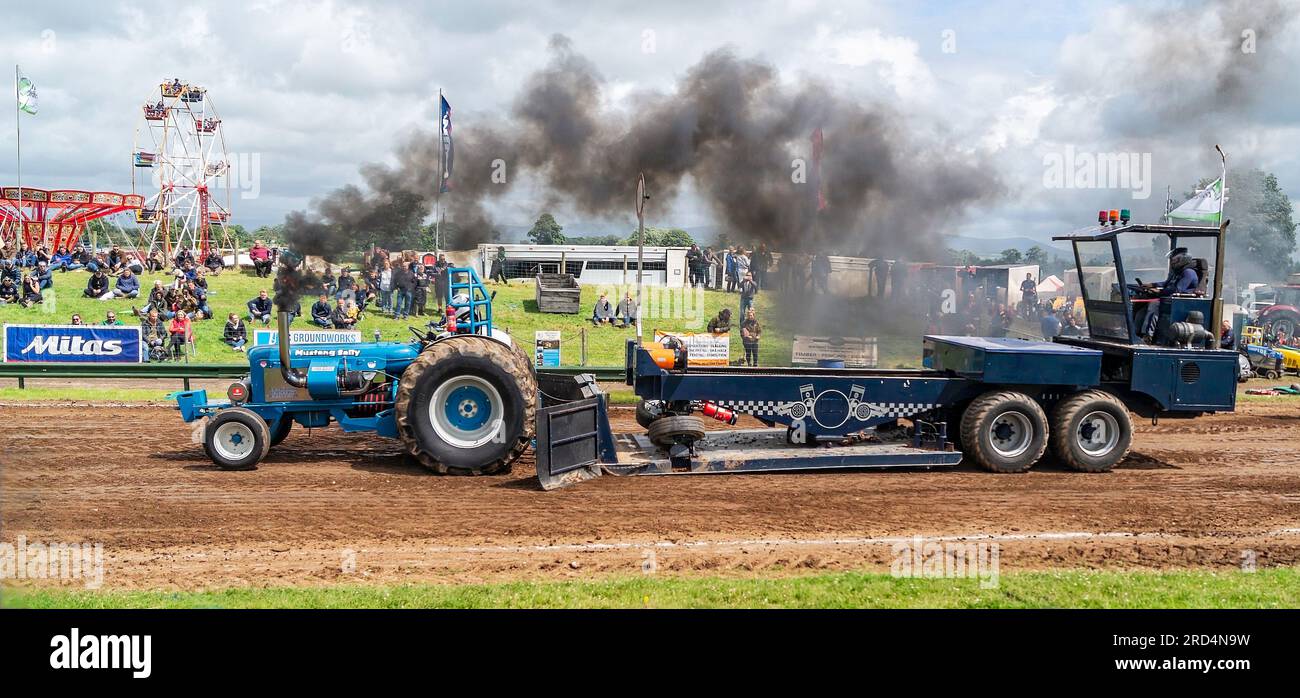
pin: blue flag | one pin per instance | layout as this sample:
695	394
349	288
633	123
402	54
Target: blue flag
448	150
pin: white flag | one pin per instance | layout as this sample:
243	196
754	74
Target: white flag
1207	205
26	94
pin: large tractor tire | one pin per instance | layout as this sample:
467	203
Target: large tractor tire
1004	431
466	406
1285	322
1091	431
236	438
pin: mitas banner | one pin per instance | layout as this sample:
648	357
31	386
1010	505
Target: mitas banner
83	344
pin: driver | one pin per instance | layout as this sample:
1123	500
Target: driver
1182	279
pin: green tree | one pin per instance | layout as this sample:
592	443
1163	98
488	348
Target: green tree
546	231
663	237
1262	237
1036	255
1011	256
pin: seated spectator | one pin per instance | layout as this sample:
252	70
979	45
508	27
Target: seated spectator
10	270
340	317
181	333
44	275
214	262
261	257
603	313
320	312
201	278
236	334
127	286
627	310
80	258
31	291
200	295
295	311
154	332
722	323
259	309
116	259
8	291
76	319
110	319
97	286
346	284
157	302
154	263
61	260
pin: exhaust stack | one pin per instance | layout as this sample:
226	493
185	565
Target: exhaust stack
292	376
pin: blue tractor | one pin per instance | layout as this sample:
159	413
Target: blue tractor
459	396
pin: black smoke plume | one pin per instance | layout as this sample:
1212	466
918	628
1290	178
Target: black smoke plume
730	128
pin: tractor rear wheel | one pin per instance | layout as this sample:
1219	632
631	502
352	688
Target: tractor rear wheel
466	406
236	438
666	432
1004	431
1091	431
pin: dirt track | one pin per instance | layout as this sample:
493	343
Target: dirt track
327	507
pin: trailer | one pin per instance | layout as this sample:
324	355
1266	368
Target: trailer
1000	403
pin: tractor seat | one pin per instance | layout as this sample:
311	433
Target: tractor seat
1202	267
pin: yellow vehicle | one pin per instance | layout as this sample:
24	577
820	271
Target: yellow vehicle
1254	336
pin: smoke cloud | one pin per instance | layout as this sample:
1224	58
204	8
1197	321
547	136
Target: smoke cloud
730	127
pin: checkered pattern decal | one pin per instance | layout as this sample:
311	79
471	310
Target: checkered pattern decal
776	407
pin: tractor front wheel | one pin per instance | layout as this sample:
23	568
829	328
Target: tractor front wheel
236	439
1004	431
465	406
666	432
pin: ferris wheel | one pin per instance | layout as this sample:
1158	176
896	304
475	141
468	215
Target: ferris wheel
180	156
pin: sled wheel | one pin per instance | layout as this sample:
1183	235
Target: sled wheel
647	411
669	431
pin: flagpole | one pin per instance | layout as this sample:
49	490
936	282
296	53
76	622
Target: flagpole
437	213
18	125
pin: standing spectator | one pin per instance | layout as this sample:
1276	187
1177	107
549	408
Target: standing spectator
97	286
499	266
404	286
603	313
440	283
750	332
627	310
340	317
127	286
1028	295
385	274
748	289
821	273
731	270
110	319
695	265
421	297
235	334
709	261
1226	339
759	265
259	309
320	312
180	332
1049	323
742	265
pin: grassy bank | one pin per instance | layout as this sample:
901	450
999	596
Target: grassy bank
1275	588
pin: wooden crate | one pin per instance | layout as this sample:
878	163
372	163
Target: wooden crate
558	293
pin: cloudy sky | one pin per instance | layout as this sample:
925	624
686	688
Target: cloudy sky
309	91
